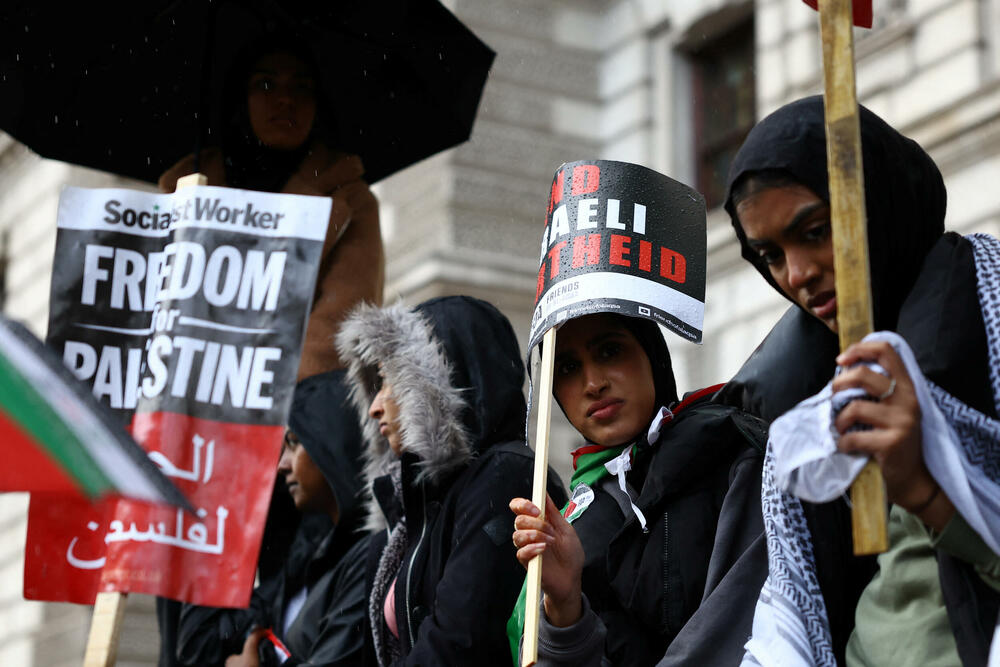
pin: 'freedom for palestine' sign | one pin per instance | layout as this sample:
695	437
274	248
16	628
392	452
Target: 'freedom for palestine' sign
621	238
184	314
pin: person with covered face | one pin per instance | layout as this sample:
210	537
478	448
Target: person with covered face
439	386
315	604
660	553
932	426
280	135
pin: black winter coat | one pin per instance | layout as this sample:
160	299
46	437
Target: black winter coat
684	592
943	324
460	576
456	374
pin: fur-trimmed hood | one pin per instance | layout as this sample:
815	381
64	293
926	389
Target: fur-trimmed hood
456	374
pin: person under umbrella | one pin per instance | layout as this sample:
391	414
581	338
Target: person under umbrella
935	597
129	91
281	137
665	553
440	388
277	139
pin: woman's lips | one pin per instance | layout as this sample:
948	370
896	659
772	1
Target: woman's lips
824	305
605	409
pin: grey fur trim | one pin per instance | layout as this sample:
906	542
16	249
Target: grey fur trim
414	364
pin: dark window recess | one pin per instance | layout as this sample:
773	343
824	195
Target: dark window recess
725	106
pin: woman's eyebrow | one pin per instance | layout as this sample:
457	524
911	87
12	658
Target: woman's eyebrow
801	217
757	244
601	337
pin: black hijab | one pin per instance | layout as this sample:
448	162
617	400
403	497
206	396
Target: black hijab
904	193
651	339
324	422
249	163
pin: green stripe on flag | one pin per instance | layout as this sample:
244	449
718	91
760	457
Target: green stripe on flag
27	408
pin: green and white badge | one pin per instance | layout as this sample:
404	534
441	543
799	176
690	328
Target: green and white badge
583	495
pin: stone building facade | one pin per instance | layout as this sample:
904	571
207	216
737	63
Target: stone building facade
671	84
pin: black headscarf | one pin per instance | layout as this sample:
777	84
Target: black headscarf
481	347
904	193
324	422
651	339
249	163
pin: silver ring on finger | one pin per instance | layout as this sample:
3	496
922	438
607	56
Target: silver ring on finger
888	392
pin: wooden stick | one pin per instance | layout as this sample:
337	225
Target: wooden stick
850	240
109	608
529	648
105	630
192	179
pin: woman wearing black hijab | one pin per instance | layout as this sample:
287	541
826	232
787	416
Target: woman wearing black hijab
923	287
660	554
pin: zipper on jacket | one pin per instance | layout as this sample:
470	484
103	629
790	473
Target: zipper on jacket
413	556
666	571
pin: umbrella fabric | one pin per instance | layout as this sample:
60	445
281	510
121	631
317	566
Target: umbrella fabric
58	438
129	89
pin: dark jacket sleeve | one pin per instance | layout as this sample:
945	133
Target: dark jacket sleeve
578	645
335	612
716	632
208	635
482	577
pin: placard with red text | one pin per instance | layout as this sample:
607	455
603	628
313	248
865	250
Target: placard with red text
625	239
185	314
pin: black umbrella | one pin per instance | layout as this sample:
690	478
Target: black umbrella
140	85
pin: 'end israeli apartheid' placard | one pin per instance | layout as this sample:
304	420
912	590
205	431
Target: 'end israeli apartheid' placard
185	315
621	238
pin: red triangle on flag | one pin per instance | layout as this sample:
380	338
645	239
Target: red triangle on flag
862	12
27	466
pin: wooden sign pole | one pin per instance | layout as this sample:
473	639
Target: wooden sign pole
105	630
850	240
192	179
109	608
529	647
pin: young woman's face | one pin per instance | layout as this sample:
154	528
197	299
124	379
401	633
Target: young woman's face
789	228
603	380
385	410
305	481
281	101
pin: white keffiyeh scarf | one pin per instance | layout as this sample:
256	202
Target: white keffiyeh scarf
961	449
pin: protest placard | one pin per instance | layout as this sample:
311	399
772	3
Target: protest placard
185	315
625	239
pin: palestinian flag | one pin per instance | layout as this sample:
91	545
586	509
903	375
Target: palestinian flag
57	437
862	11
